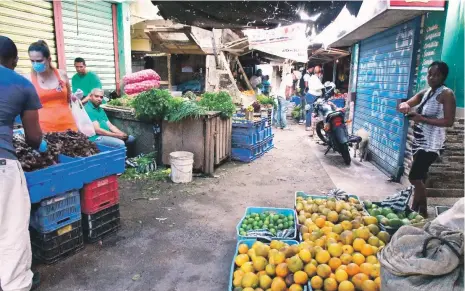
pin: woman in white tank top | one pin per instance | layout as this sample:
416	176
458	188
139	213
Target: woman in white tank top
435	112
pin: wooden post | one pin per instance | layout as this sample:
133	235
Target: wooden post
243	74
168	60
60	39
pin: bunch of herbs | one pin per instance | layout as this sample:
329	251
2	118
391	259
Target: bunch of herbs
152	105
220	101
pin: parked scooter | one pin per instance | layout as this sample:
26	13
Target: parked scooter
331	128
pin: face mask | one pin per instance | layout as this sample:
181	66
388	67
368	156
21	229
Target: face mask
38	67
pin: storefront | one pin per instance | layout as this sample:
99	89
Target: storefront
26	22
90	33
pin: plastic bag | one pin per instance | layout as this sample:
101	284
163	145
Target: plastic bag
137	77
83	122
136	88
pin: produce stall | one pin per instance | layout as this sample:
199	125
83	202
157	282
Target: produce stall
72	178
336	247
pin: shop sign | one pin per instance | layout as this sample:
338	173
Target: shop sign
276	35
431	45
418	4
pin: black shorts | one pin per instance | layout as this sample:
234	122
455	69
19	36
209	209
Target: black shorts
422	160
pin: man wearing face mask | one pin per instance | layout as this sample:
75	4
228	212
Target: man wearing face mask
18	97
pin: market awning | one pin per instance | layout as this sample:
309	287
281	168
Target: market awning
175	38
322	56
378	15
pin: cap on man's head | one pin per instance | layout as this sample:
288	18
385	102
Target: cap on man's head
8	50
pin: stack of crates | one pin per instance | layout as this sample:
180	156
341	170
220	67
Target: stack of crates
250	139
55	228
100	208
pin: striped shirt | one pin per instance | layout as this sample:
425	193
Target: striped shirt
429	137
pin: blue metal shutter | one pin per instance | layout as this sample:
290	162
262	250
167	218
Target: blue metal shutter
384	79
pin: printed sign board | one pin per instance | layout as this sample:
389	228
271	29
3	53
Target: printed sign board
418	4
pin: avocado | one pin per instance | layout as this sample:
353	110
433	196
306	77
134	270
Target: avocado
386	211
376	212
367	204
401	215
405	221
395	223
412	215
392	216
379	217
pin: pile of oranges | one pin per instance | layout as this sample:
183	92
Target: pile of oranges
343	243
274	267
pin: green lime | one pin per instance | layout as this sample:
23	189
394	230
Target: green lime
260	223
280	221
243	233
266	223
272	230
275	217
286	225
290	217
250	220
280	226
262	216
248	228
281	216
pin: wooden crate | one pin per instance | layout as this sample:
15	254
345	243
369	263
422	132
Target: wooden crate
208	138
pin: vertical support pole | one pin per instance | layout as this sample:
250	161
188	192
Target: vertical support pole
124	38
249	86
115	46
59	34
168	61
334	71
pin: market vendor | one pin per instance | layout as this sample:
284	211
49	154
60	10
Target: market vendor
106	133
18	97
84	79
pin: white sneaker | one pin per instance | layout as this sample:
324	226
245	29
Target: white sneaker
308	128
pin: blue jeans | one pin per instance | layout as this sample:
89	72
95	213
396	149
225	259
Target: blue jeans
280	113
309	99
113	142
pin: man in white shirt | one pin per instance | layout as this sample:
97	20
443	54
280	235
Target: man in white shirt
256	80
303	91
284	94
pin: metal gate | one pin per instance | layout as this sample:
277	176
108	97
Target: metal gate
384	79
26	22
88	33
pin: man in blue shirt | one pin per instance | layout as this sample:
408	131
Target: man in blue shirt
17	97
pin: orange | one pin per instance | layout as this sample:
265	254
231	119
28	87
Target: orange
334	263
330	284
300	277
335	250
241	259
238	273
310	269
322	257
278	284
247	267
347	249
243	249
367	250
323	271
346	286
306	236
352	269
342	267
341	275
282	270
305	255
333	216
346	259
358	258
366	268
369	285
316	282
376	272
378	282
320	222
270	269
358	244
371	260
295	287
358	280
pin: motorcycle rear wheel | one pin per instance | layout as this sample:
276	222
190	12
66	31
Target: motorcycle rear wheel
346	154
320	131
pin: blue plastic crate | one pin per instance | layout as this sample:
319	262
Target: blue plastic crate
110	161
63	177
246	154
56	212
259	210
244	123
249	243
268	132
241	140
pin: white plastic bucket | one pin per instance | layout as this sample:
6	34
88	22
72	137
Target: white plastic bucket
181	166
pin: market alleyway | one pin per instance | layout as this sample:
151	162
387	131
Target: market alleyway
183	237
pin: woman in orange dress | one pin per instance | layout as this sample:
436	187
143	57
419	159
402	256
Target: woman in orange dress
52	86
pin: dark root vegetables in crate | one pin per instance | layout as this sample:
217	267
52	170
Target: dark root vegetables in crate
69	143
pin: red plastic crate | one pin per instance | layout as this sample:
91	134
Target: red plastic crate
99	195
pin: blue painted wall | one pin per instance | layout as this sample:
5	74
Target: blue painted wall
385	78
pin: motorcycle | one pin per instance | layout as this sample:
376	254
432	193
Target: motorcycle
331	128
